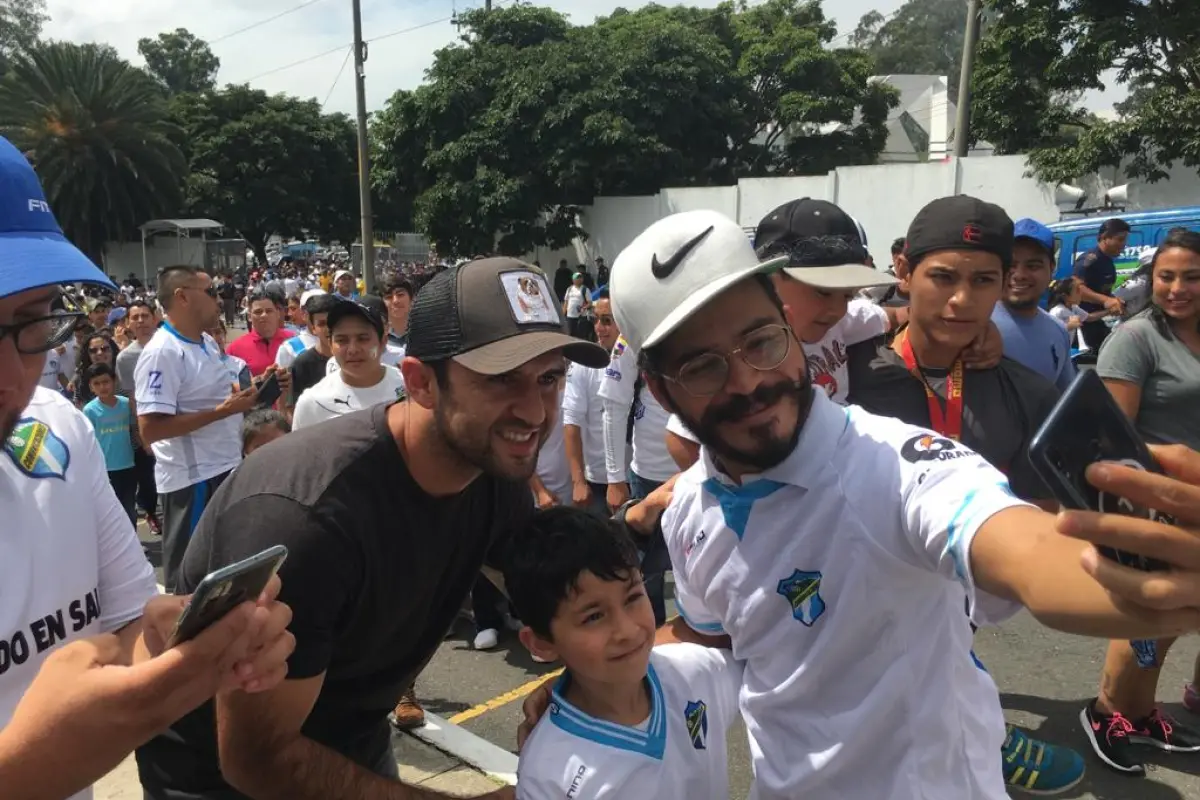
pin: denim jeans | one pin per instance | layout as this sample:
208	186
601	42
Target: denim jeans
655	560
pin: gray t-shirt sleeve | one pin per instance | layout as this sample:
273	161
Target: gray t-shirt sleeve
1128	355
126	363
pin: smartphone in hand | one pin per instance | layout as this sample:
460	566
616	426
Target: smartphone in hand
1087	426
225	589
269	390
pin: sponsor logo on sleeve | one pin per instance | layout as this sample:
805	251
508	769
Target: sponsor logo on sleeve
928	447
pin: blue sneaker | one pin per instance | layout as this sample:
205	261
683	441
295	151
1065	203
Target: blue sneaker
1035	767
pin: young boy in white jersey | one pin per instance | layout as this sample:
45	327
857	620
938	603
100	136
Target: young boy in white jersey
626	720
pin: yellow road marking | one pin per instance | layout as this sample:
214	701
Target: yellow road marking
503	699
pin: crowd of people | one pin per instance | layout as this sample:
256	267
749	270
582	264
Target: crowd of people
777	423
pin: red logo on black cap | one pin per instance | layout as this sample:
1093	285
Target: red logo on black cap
973	234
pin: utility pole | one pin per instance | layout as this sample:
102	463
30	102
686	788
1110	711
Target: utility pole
962	124
364	161
487	5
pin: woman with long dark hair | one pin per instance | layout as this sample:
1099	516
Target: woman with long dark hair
99	348
1151	366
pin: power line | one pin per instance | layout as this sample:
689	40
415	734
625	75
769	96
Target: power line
408	30
260	23
345	61
337	49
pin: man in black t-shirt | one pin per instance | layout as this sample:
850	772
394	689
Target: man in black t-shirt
953	285
1097	272
388	515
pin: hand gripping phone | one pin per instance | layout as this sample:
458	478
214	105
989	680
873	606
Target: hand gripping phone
1087	426
269	390
224	590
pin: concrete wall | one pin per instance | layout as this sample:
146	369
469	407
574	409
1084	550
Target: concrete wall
122	258
883	198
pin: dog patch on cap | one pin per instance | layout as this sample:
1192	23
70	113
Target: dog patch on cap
529	298
973	234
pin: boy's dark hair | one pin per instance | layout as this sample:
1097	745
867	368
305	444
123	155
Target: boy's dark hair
399	284
99	370
898	246
544	562
260	418
321	304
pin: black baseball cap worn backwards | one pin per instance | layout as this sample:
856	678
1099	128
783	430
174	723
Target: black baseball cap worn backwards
492	315
961	222
823	243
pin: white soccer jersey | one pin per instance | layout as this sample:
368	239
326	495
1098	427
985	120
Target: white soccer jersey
678	755
71	565
827	359
332	397
650	457
176	375
583	408
842	576
293	347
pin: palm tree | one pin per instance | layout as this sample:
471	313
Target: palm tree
97	131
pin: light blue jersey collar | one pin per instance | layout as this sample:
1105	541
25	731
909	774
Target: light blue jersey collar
651	742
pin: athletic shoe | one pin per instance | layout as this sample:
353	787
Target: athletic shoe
1159	730
408	713
1191	698
487	638
1109	735
1034	767
540	660
153	524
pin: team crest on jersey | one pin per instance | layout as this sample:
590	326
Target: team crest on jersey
696	714
803	591
619	349
37	451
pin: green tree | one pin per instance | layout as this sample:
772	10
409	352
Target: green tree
923	37
1046	52
20	25
97	130
265	164
527	117
180	61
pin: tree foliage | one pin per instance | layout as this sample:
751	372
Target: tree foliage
527	117
923	37
1040	55
180	61
266	164
20	25
97	130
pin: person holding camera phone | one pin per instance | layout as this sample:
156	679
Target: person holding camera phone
84	673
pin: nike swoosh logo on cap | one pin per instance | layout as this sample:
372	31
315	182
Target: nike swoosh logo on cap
663	269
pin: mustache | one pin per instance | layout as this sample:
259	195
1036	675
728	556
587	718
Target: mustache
742	405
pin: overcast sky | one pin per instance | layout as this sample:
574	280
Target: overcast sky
397	62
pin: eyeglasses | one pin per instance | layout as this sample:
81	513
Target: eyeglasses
209	290
44	333
763	349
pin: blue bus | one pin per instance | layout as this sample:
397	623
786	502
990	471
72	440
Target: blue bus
1073	237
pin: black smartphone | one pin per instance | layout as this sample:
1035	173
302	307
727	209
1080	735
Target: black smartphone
244	379
269	390
223	590
1087	426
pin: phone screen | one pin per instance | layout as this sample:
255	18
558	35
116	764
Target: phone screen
1087	426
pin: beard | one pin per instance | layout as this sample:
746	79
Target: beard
474	447
771	449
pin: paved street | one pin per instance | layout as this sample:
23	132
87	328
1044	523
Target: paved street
1045	679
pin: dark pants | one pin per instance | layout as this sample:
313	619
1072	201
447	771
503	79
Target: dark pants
147	491
1094	333
575	327
181	515
655	560
487	605
124	484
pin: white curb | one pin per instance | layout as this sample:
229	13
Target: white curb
493	761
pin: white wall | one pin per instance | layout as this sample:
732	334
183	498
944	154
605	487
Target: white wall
122	258
883	198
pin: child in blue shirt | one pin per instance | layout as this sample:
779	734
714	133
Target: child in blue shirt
112	418
627	719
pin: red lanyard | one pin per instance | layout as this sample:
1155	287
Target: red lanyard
949	422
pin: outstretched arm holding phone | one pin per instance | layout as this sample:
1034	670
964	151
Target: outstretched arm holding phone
87	701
